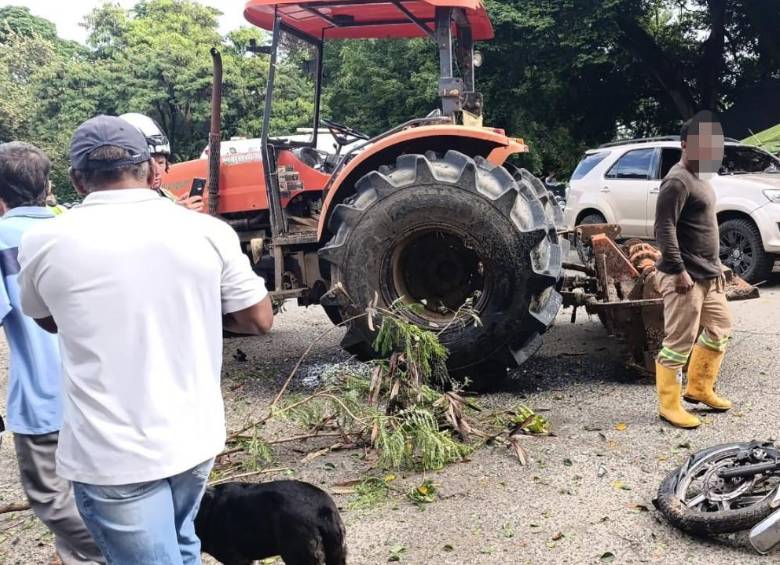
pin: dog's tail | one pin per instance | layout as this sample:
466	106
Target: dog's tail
334	537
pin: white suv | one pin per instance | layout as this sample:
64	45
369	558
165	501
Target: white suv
618	183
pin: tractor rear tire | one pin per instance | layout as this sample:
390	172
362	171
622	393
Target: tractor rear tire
437	230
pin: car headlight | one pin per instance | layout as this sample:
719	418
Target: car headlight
773	195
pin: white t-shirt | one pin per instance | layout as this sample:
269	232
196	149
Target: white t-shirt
137	286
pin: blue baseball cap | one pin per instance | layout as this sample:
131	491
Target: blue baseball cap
102	131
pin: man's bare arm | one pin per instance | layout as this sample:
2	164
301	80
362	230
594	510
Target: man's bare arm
47	324
255	320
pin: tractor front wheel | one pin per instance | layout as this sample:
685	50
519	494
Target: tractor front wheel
444	231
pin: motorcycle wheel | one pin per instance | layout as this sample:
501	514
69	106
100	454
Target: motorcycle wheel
694	499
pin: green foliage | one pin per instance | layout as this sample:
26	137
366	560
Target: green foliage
308	413
409	424
422	351
377	84
257	453
413	439
370	492
563	74
524	419
153	59
18	20
529	421
430	447
21	58
426	493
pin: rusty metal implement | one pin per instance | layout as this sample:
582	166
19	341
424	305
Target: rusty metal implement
617	284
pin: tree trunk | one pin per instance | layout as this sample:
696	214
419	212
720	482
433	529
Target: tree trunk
711	65
642	45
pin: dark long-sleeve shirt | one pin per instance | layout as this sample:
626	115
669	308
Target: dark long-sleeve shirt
686	226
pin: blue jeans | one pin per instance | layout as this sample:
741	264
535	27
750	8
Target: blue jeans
150	523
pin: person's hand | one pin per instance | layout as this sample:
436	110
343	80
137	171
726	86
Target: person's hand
194	203
683	283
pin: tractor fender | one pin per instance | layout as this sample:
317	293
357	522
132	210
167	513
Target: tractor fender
484	142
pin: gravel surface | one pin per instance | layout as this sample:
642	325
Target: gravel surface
565	506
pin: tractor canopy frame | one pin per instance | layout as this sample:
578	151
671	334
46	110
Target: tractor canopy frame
454	24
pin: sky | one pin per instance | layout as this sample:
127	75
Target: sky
67	14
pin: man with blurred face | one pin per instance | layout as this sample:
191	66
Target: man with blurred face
690	276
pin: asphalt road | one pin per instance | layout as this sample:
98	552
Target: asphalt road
585	495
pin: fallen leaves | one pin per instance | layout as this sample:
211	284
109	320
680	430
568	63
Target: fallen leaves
425	493
621	426
396	552
507	531
368	493
620	485
520	453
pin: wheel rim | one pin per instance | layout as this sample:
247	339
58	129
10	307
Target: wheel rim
700	489
438	269
736	251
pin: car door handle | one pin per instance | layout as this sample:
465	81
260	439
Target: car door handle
604	189
655	190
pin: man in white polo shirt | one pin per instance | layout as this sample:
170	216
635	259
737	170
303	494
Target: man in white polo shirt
139	290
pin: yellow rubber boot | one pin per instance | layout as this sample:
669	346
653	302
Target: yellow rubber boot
702	375
669	404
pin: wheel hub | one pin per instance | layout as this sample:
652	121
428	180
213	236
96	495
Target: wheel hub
718	489
736	251
437	269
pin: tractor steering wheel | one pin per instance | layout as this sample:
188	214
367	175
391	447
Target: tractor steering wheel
344	135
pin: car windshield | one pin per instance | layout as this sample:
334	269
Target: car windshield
589	161
743	160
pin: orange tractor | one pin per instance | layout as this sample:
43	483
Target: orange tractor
428	213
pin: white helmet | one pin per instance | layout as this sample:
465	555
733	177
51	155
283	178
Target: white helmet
155	137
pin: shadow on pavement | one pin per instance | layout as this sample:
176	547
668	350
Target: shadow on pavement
579	353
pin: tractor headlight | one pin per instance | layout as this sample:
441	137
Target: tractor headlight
773	195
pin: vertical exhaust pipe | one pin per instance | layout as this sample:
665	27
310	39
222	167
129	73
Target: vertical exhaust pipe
215	133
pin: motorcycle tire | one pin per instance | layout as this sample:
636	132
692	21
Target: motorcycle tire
697	522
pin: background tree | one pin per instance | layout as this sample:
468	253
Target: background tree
564	74
378	84
583	72
17	20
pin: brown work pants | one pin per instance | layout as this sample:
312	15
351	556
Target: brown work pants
703	309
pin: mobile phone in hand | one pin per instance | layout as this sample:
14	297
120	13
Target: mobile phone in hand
197	188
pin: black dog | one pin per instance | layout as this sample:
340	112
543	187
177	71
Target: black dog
240	522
